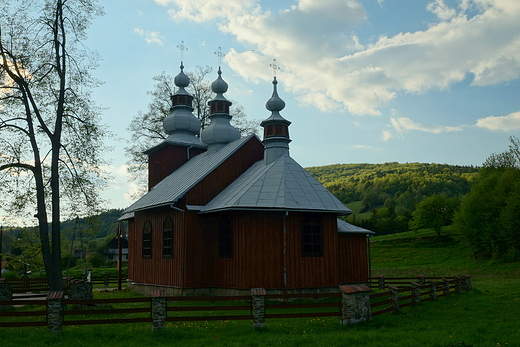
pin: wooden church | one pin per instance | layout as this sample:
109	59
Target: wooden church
226	213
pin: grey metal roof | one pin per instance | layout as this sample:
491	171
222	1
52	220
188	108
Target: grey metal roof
174	186
344	227
282	184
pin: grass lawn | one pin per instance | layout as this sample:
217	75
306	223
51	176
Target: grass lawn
487	316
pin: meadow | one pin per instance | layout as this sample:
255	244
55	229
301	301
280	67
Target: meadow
486	316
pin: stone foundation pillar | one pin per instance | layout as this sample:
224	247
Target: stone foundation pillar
433	290
54	310
258	307
394	296
381	281
80	290
446	287
416	292
467	283
6	293
158	309
355	304
458	286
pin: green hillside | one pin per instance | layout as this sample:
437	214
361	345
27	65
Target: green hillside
384	196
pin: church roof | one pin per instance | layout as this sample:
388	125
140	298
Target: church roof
281	185
178	183
344	227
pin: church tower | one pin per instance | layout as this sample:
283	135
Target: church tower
182	128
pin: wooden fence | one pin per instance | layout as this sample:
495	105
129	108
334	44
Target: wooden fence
57	310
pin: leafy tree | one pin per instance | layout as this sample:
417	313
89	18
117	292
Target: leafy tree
147	127
51	143
488	215
434	212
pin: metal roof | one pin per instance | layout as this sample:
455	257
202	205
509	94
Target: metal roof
174	186
344	227
282	185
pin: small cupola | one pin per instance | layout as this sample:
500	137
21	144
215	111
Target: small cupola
181	124
276	128
219	132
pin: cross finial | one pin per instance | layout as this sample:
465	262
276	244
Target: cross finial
275	67
220	55
183	48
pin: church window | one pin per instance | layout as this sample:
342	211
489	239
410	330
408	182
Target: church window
147	240
312	236
225	238
167	238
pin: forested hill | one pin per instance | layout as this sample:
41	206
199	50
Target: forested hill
395	188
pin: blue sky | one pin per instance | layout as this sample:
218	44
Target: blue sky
364	81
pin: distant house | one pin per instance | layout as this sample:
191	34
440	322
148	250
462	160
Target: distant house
113	249
226	213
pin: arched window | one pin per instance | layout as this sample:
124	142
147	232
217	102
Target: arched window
312	235
167	238
225	237
147	240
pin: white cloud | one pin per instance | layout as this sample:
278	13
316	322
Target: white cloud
441	10
367	147
324	62
206	10
505	123
404	124
386	135
150	36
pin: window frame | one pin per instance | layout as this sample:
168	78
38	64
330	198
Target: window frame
312	235
225	237
167	240
146	244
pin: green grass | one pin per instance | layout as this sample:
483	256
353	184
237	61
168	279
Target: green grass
485	317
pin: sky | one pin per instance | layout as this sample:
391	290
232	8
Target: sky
364	81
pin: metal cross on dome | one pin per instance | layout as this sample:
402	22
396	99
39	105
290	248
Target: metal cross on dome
275	67
220	55
183	48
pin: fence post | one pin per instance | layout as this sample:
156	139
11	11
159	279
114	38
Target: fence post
381	281
416	291
54	311
158	309
355	304
446	286
6	293
106	279
467	282
458	286
433	290
258	307
421	280
394	296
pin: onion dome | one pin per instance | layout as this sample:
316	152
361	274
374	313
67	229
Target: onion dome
220	131
181	125
275	103
276	128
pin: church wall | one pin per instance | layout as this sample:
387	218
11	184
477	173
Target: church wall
166	160
312	271
156	269
354	267
250	152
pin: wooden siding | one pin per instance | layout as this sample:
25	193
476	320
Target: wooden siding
156	269
250	152
258	253
166	160
354	262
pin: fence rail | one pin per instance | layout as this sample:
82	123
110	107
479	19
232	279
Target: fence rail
57	310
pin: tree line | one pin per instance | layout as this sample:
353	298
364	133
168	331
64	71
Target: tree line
386	195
